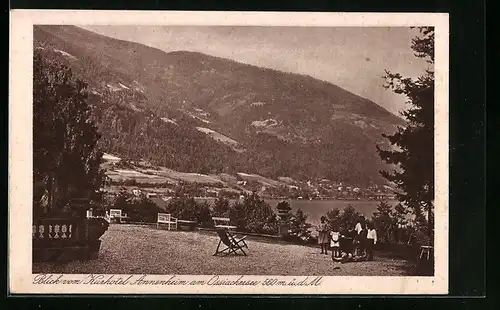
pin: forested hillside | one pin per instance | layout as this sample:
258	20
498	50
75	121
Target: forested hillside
161	106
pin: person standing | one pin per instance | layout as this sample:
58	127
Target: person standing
323	235
349	236
371	240
360	224
335	242
361	241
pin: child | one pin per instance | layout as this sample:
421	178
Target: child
335	242
323	235
371	240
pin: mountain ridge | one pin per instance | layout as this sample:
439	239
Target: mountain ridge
277	122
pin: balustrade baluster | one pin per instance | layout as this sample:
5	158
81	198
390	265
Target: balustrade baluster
41	230
56	231
63	231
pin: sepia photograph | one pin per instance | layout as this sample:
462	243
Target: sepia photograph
245	155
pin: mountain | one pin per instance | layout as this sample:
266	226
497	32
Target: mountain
198	113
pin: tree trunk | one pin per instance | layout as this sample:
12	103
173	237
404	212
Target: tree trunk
430	222
50	194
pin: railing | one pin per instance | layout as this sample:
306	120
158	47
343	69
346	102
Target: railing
67	238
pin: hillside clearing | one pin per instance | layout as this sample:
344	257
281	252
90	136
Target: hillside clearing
217	136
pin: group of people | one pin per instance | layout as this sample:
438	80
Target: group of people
348	243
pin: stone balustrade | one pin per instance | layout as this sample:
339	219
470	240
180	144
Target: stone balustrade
67	238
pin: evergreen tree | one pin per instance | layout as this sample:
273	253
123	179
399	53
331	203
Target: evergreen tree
65	157
333	218
413	153
349	217
221	207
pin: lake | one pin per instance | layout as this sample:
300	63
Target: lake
317	208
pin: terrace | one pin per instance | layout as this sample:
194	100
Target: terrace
133	249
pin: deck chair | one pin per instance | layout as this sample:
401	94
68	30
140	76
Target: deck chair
231	244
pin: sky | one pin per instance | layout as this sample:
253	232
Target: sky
353	58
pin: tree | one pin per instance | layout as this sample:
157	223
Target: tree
253	215
333	218
299	226
384	221
65	155
349	217
221	207
183	208
413	153
283	208
203	216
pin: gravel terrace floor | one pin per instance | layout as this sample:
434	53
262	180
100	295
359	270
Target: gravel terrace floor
131	249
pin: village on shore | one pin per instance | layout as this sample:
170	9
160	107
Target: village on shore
141	179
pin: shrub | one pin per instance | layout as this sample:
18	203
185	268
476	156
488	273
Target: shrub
300	229
254	215
203	215
183	208
137	209
143	210
284	209
333	218
221	207
394	226
349	217
384	222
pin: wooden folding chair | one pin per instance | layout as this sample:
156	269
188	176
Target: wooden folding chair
231	243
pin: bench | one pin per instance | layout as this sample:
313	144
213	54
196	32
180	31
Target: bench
189	224
223	223
115	215
168	219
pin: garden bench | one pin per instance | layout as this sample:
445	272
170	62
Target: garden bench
168	219
223	223
187	223
116	215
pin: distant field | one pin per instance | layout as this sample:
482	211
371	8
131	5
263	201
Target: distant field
259	178
124	174
162	175
217	136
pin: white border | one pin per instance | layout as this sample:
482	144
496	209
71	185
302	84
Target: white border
20	144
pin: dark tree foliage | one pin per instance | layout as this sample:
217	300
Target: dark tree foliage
413	153
221	207
349	217
254	215
138	209
333	218
299	227
65	158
